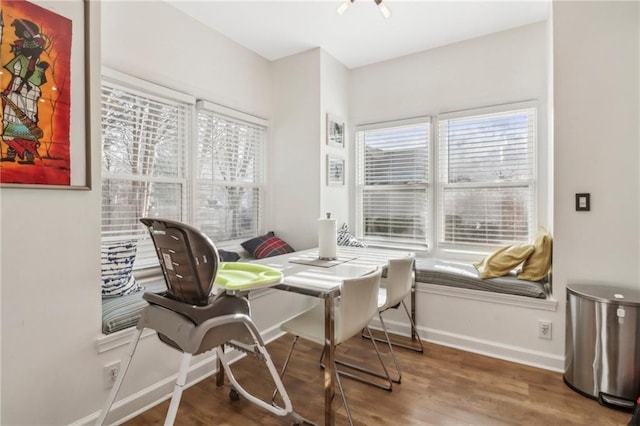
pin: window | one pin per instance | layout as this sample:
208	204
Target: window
144	167
393	182
229	175
486	165
485	181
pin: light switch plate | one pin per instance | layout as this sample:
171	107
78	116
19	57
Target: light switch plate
583	202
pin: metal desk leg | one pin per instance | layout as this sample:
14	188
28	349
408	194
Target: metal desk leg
329	376
220	373
413	303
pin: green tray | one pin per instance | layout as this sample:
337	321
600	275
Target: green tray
245	276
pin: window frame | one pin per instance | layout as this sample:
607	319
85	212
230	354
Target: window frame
434	244
237	116
427	186
190	179
157	93
455	250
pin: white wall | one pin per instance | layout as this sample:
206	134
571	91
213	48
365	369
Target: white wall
334	100
501	68
306	87
596	141
295	174
506	67
48	338
156	42
50	272
596	71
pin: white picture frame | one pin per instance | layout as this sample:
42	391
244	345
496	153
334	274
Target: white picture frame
335	171
335	131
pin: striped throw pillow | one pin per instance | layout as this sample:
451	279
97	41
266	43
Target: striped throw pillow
347	239
117	269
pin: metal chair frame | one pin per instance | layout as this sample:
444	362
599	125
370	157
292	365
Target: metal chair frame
401	275
353	308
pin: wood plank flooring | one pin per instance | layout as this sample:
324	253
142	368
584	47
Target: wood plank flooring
443	386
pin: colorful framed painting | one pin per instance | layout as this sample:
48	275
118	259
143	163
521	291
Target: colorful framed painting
335	131
44	95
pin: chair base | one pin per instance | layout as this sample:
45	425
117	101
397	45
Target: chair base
416	347
337	376
414	333
388	386
257	349
388	341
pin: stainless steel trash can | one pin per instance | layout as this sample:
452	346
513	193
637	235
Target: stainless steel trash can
602	353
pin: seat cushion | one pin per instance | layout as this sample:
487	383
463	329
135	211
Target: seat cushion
119	313
465	275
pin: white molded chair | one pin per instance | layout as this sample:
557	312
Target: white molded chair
353	311
399	284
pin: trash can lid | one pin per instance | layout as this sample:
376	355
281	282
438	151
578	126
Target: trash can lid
607	293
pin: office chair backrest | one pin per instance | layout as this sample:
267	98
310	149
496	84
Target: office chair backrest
399	280
358	304
188	258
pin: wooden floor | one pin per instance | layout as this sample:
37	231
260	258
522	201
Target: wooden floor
443	386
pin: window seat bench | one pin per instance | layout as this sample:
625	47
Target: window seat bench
119	313
465	275
123	312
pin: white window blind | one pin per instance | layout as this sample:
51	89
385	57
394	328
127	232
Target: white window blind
229	174
144	151
393	182
487	176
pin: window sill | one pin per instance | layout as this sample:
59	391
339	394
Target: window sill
418	249
490	297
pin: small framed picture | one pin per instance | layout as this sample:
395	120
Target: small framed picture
335	131
335	171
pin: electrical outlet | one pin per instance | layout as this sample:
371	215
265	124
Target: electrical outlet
110	373
544	330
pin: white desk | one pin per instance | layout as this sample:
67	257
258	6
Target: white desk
324	282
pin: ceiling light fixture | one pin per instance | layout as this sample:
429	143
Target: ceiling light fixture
386	12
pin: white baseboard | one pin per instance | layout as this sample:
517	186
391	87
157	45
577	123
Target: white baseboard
133	405
141	401
512	353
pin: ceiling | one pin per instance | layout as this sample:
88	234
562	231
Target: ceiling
361	36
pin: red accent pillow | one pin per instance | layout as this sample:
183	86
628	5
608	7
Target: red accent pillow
266	246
